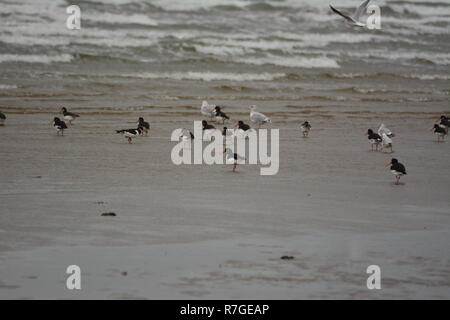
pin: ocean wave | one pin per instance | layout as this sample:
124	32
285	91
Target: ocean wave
110	18
35	58
292	62
7	87
386	75
206	76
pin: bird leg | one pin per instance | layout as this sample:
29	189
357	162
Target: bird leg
129	139
234	167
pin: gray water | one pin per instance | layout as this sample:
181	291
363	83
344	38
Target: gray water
149	55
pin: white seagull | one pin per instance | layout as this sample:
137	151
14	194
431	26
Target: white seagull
208	109
386	136
258	117
353	20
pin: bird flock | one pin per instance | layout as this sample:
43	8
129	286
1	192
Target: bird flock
380	141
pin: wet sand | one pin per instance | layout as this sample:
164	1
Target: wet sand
202	231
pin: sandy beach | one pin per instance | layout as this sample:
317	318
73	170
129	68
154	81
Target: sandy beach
202	231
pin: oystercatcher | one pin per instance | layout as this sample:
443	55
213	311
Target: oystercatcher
68	116
220	116
397	169
59	125
243	126
130	133
444	123
207	126
305	128
374	138
439	131
232	158
145	126
2	118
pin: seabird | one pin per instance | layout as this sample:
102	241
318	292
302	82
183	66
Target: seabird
2	118
258	117
186	135
207	109
220	116
207	126
232	158
59	125
374	138
444	123
145	126
386	136
130	133
305	126
439	131
353	20
397	169
243	126
68	116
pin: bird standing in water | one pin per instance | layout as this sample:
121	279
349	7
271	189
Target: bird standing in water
397	169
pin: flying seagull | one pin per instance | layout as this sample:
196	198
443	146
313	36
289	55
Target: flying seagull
353	20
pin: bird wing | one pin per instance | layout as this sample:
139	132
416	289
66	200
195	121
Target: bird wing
257	116
71	114
360	10
342	15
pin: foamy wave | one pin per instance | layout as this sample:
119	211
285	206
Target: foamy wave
222	50
293	62
7	87
208	76
35	58
120	19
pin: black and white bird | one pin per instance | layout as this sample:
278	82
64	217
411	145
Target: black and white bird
305	127
129	134
258	117
206	126
145	126
444	123
68	116
243	126
220	116
353	20
2	118
232	158
374	139
439	131
207	109
59	125
397	169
